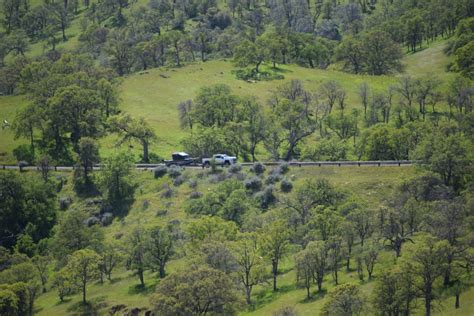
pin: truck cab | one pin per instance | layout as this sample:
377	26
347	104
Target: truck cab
220	159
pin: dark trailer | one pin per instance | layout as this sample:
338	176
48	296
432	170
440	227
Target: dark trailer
180	159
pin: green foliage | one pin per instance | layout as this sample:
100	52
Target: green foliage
394	292
250	264
24	153
345	299
115	181
159	248
253	75
136	251
462	46
26	202
382	142
212	228
8	302
83	267
197	290
62	282
87	157
450	156
72	234
133	129
326	149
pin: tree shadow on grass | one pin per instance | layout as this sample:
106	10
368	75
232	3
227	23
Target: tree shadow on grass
280	70
140	289
268	296
64	301
115	280
314	297
122	207
91	307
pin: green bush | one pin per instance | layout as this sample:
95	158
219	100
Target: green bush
251	74
24	153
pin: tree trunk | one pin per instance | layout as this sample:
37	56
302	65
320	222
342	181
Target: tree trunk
140	275
289	153
145	152
63	29
275	273
162	271
427	306
84	293
320	284
457	304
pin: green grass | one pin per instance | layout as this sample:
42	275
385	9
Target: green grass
369	184
363	182
9	105
149	95
430	60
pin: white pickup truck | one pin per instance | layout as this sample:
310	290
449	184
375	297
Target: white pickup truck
219	159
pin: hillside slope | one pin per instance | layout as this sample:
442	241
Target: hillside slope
155	94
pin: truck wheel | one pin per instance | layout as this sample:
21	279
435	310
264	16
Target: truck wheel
227	163
207	164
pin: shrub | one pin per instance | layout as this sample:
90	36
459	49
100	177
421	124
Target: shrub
159	171
266	197
251	74
219	177
91	221
285	311
284	168
326	150
64	202
235	168
253	184
240	176
201	175
174	171
161	213
286	186
273	178
192	183
107	219
178	181
167	192
195	195
280	170
24	153
153	158
258	168
61	181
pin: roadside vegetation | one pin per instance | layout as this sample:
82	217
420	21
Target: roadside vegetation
126	82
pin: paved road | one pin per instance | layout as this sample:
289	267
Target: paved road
394	163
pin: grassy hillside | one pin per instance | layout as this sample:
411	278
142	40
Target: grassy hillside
155	97
370	184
